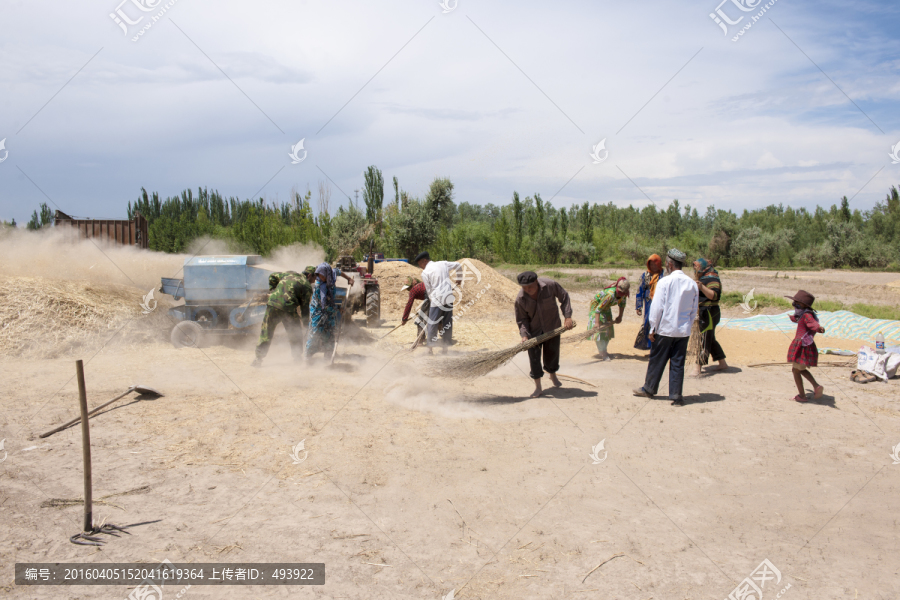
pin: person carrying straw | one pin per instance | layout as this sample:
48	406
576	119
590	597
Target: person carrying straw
537	313
601	314
802	353
644	298
671	318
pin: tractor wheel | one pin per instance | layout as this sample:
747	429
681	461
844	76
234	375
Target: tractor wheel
373	307
187	334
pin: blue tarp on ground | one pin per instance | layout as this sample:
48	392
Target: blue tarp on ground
839	324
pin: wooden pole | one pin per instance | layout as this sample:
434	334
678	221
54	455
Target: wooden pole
85	448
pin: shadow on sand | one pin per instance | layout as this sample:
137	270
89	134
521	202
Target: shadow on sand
563	393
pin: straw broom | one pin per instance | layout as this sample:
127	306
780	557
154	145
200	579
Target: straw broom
695	344
481	363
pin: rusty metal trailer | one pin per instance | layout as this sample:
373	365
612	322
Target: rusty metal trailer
114	231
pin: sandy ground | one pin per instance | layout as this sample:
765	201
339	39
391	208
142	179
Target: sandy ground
413	486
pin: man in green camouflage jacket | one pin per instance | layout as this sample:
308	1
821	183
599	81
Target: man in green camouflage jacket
288	303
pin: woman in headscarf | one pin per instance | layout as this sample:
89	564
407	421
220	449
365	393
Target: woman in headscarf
644	297
323	311
708	314
601	314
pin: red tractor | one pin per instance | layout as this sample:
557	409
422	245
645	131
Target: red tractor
365	294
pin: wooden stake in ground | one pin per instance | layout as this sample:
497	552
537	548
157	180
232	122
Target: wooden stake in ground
88	529
85	449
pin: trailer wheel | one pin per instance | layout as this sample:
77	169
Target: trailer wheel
373	307
187	334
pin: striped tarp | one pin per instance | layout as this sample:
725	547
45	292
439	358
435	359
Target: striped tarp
839	324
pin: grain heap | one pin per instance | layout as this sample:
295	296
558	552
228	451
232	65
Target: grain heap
499	291
47	318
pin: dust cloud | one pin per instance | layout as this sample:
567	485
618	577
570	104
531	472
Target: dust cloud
56	254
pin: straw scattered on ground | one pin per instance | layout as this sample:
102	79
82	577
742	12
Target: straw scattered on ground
48	318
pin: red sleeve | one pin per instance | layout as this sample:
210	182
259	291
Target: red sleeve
415	292
811	322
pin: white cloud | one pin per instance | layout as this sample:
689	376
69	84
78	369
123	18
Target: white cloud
744	124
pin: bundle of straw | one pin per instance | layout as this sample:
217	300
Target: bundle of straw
481	363
580	337
695	344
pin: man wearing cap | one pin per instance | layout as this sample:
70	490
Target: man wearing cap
537	313
672	314
416	292
436	278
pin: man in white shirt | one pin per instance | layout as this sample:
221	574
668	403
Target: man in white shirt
436	277
672	314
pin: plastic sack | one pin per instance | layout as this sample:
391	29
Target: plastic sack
882	366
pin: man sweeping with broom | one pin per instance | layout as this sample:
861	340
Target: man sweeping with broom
537	313
672	315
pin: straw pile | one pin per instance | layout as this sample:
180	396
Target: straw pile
47	318
499	291
479	364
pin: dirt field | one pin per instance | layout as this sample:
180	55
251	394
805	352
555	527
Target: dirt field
413	487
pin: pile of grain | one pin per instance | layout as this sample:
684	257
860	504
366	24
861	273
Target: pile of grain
498	295
48	318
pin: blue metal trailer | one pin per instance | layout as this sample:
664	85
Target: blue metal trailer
214	288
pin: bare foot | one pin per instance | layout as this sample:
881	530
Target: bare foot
817	393
555	380
720	367
694	372
536	393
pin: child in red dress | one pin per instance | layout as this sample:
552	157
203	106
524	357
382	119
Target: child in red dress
803	353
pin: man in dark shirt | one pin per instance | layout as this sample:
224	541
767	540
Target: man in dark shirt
537	313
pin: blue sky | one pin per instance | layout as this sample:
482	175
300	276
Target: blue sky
496	96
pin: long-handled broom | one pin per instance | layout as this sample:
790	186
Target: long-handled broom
481	363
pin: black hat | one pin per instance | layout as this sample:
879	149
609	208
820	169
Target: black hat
527	277
420	256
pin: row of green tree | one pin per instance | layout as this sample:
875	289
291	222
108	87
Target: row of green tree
526	230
